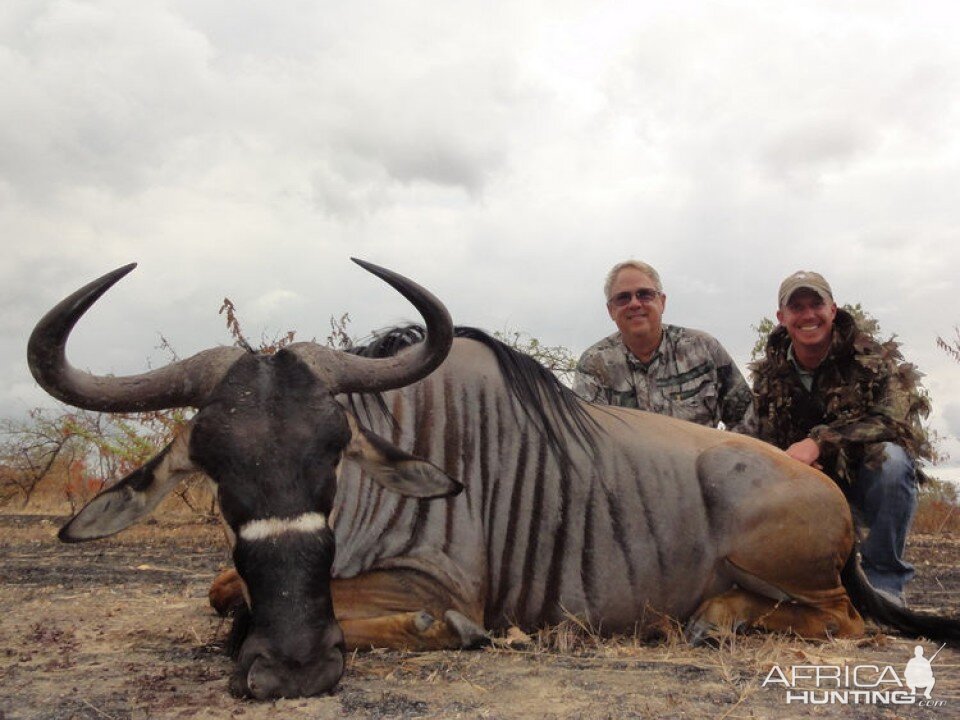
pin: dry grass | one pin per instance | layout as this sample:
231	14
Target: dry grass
56	495
569	670
741	660
938	511
725	680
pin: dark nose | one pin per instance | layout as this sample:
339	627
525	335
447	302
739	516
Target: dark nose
268	679
265	674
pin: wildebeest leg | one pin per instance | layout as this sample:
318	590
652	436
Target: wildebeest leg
404	609
395	609
412	631
790	533
829	614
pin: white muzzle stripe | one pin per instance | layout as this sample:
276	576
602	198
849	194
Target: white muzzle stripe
272	527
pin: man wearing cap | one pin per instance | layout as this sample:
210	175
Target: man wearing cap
660	368
833	397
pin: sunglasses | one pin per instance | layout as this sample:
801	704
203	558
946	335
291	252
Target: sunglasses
643	295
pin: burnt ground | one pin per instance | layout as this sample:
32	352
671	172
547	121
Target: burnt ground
120	628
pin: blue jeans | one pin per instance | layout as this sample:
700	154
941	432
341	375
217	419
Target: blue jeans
884	500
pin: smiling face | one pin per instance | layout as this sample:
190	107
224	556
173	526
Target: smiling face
639	322
808	319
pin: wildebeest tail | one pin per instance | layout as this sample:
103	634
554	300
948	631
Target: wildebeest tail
872	604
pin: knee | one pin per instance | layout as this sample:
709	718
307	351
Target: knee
897	465
897	474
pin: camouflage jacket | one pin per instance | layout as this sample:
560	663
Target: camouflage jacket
863	395
690	377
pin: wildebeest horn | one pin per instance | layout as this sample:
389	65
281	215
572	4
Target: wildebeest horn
347	373
180	384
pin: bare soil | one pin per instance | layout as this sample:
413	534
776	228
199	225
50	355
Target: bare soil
120	628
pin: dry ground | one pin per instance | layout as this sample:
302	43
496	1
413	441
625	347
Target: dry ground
121	629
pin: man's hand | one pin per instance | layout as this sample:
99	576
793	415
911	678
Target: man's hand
806	451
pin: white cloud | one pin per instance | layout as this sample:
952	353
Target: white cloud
505	155
951	416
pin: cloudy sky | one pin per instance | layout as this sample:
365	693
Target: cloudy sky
503	154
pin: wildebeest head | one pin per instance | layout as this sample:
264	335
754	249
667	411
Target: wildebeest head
271	436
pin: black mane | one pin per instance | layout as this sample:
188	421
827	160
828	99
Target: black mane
552	406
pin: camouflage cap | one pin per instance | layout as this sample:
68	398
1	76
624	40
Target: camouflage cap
804	279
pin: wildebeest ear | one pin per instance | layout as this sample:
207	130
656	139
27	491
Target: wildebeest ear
396	470
118	507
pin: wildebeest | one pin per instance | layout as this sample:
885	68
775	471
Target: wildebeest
567	508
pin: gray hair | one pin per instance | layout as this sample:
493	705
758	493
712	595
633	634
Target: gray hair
636	265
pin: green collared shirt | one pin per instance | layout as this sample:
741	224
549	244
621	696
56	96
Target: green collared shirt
690	376
806	376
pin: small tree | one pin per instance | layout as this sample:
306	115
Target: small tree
556	358
88	451
763	330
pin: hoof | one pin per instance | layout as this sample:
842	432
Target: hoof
471	634
423	621
699	633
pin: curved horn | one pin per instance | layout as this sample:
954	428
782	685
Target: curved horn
346	373
179	384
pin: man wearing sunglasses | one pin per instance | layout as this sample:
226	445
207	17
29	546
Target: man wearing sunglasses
660	368
831	396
